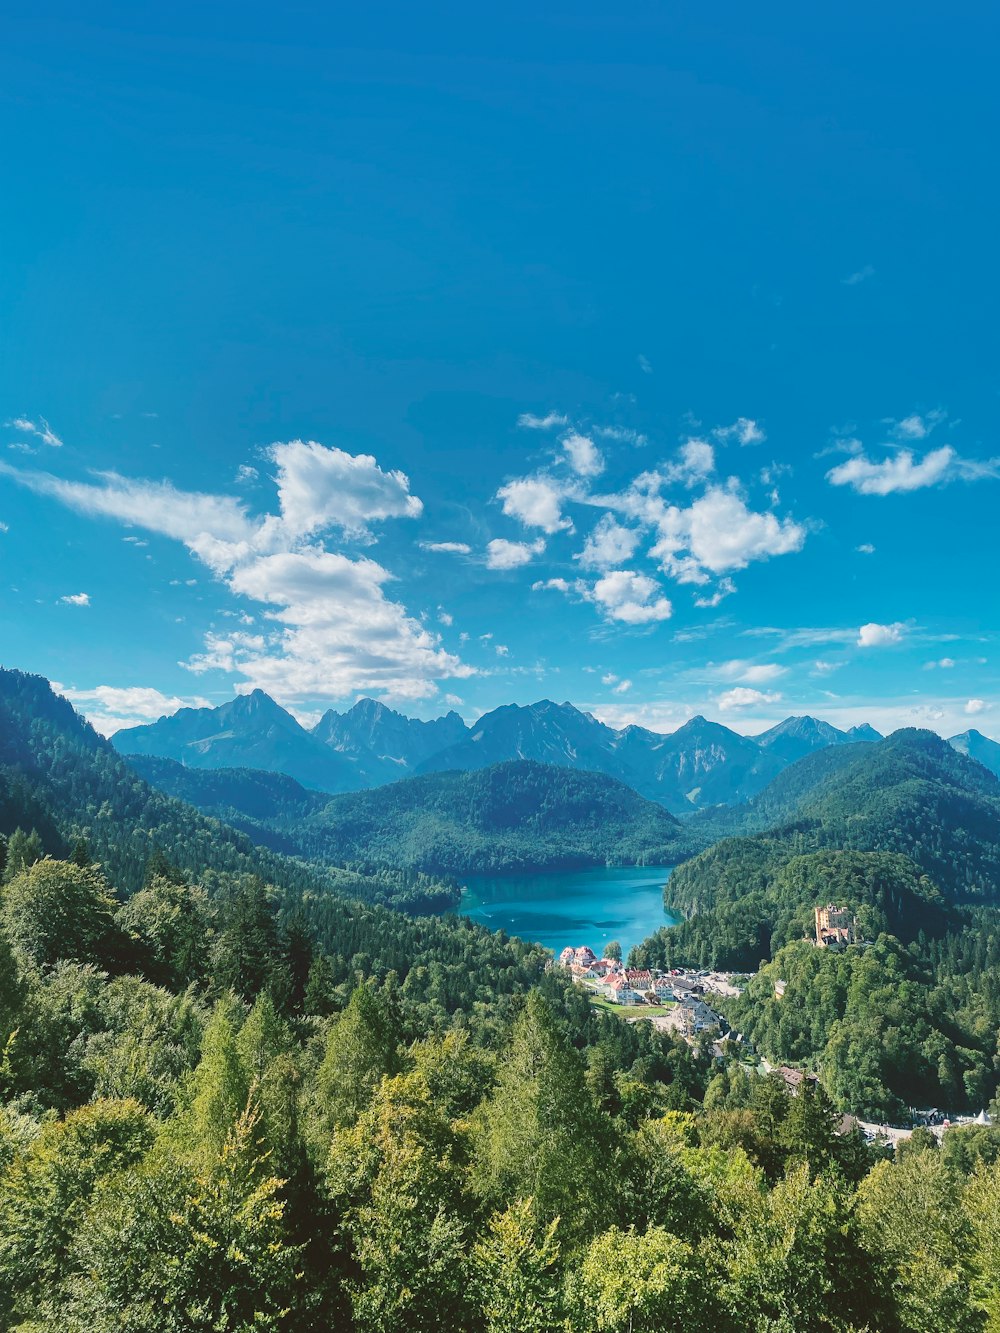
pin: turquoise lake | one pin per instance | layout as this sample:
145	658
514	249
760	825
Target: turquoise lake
557	908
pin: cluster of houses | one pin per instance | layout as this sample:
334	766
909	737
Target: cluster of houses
608	978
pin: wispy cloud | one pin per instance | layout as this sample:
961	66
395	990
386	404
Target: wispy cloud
860	275
40	429
76	599
550	421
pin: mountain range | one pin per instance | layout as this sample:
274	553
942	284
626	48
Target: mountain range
701	764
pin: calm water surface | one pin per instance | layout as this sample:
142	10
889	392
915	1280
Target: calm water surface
572	906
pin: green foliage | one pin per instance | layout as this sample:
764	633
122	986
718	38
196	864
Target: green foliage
57	909
516	1266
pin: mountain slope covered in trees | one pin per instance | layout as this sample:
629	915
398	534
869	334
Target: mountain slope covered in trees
515	816
59	777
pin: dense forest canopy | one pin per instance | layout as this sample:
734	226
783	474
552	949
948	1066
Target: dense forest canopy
514	816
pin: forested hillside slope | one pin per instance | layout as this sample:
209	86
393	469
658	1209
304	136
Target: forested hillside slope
59	777
515	816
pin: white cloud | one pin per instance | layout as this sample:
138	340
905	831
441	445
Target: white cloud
915	426
608	544
584	456
445	617
620	434
135	541
974	706
944	663
741	697
332	631
40	429
76	599
553	585
609	678
501	650
623	687
246	474
873	635
696	462
861	275
644	364
502	554
751	673
536	502
633	599
551	421
447	548
453	700
4	527
719	533
725	588
901	472
109	708
866	548
744	429
320	488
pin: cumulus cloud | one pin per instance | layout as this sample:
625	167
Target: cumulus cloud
76	599
320	487
695	462
109	708
536	502
633	599
974	706
622	687
502	554
551	421
331	629
873	635
900	472
608	544
583	454
866	548
718	533
742	697
40	429
550	585
943	663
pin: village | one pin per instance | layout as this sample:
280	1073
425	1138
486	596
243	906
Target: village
678	1001
675	1001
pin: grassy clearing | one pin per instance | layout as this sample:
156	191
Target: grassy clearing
631	1010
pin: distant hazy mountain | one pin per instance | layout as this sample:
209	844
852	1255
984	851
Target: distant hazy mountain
251	731
383	744
547	732
700	764
977	746
799	736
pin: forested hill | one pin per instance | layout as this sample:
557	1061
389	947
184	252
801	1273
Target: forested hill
514	816
59	777
911	796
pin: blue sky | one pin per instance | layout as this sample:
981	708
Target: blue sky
643	356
